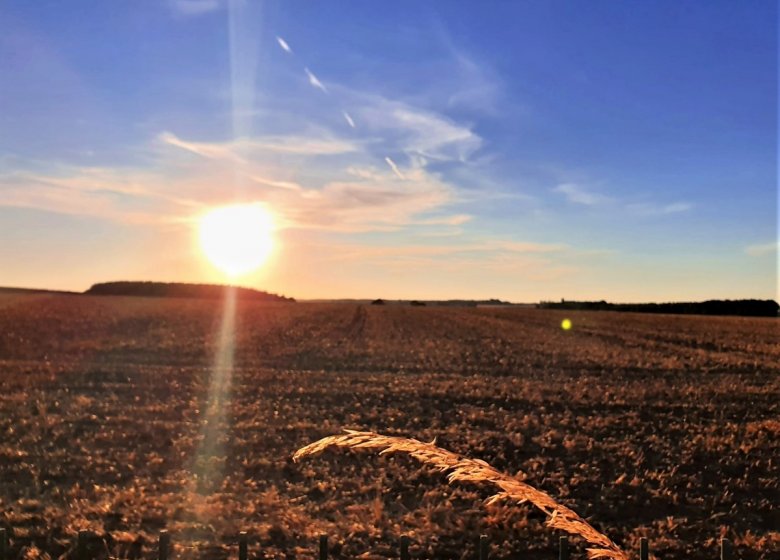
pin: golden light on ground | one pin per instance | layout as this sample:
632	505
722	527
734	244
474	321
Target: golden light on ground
566	324
237	239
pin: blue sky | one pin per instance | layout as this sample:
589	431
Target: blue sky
531	150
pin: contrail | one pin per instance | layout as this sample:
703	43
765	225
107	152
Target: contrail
348	118
314	81
394	167
283	44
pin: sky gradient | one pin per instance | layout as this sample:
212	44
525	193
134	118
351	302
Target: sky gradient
525	151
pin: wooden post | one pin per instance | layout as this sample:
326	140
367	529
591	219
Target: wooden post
242	546
163	544
323	547
81	545
644	551
405	548
483	547
563	548
725	549
4	555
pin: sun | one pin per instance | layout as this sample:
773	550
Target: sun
237	239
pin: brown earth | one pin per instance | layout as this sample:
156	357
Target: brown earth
647	425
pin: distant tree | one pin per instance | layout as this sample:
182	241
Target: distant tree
378	302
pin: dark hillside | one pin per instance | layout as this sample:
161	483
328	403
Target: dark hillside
14	290
176	289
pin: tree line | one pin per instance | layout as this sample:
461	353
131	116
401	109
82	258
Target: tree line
178	289
743	307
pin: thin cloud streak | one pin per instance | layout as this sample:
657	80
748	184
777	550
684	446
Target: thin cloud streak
395	169
314	81
762	249
649	209
455	220
289	185
85	202
195	7
283	44
577	194
417	131
343	197
490	247
236	150
349	119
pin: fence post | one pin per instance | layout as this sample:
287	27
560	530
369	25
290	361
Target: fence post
323	547
404	547
4	544
163	544
644	551
483	547
242	545
81	545
725	549
563	548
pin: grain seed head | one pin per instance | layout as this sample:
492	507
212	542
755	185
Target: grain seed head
462	469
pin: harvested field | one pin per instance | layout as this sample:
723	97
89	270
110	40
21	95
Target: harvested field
646	425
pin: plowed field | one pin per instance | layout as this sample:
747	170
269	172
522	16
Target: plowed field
660	426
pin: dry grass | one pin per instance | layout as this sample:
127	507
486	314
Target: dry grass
462	469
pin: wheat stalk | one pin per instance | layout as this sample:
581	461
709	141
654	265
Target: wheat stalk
462	469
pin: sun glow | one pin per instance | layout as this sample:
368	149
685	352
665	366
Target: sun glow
237	239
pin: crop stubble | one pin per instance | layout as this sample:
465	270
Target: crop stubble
657	426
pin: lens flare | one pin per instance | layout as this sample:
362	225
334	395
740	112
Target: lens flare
210	455
566	324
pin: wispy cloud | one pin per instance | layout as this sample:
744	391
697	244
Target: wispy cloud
475	85
418	131
676	207
525	260
283	44
478	86
126	197
454	220
651	209
279	184
529	247
761	249
314	81
359	206
489	247
313	176
316	143
313	181
195	7
380	204
578	194
394	167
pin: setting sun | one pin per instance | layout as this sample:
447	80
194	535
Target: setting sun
237	239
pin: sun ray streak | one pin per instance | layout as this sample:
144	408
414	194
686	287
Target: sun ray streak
211	454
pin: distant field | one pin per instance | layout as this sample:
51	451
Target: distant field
647	425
